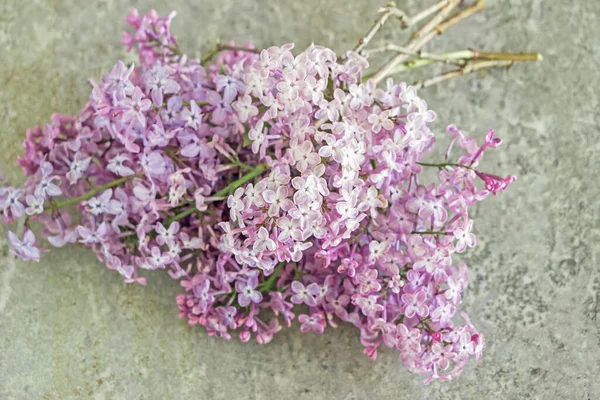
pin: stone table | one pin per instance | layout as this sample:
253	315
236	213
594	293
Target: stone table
69	329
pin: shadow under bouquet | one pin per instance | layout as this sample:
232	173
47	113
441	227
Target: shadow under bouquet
274	185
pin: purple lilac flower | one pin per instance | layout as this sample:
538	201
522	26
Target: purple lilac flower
35	205
10	201
78	166
247	292
117	165
192	117
415	304
304	294
315	322
263	181
159	83
134	107
47	186
118	80
90	236
26	248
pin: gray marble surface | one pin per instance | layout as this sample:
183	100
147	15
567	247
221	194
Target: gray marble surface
69	329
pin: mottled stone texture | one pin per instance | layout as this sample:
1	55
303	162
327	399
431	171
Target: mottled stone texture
69	329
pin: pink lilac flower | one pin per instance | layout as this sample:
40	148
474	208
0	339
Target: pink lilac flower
415	304
443	314
443	355
228	315
157	259
247	292
264	180
205	298
368	305
367	281
166	235
277	201
263	241
464	237
245	108
315	322
304	294
465	347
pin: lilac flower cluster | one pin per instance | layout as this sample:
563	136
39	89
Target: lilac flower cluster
264	181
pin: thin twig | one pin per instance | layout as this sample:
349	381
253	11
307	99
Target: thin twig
417	43
439	17
92	192
385	12
486	55
464	14
460	58
396	12
426	12
421	55
222	47
467	69
391	10
431	233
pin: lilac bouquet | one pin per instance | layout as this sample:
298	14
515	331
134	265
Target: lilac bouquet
273	185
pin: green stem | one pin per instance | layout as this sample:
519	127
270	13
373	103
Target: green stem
242	165
430	233
93	192
460	55
443	165
221	47
259	169
198	103
421	62
267	286
426	325
209	55
181	215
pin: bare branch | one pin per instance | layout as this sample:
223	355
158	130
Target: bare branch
464	14
396	12
467	69
417	43
385	12
439	17
459	57
421	55
415	19
486	55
